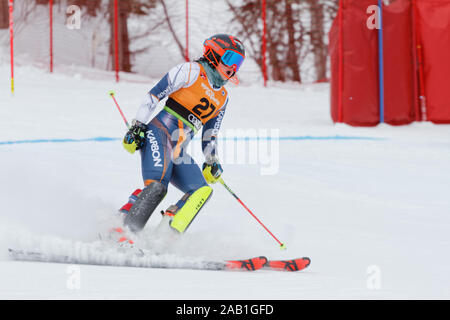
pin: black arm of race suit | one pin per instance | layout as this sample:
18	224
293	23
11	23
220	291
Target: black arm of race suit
210	132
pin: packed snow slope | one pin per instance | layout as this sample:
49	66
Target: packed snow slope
369	206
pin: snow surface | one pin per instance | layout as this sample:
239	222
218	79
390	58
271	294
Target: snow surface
372	214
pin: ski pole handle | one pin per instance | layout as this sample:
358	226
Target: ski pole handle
282	245
112	94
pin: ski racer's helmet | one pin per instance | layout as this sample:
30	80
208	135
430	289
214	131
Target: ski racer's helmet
226	49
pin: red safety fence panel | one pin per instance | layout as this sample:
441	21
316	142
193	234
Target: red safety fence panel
358	77
399	75
335	68
433	23
416	63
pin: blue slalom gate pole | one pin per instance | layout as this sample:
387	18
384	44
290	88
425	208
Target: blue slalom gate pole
381	60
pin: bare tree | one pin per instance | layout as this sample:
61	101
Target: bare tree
125	9
22	11
296	34
248	30
331	8
292	56
4	14
92	6
322	13
171	28
284	35
317	38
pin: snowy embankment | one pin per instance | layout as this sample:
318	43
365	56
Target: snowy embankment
370	206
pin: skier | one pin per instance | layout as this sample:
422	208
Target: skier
197	100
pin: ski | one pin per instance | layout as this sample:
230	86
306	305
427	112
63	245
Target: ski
140	258
132	257
288	265
249	265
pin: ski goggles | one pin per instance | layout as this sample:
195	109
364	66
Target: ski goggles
229	57
232	59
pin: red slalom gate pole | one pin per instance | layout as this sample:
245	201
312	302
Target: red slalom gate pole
112	94
264	9
51	35
282	245
11	40
341	62
116	38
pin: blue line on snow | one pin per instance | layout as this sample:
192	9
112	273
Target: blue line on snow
106	139
97	139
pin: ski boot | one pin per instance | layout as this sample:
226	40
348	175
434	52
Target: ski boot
180	216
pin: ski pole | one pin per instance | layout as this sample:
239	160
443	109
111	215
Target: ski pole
111	93
282	245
